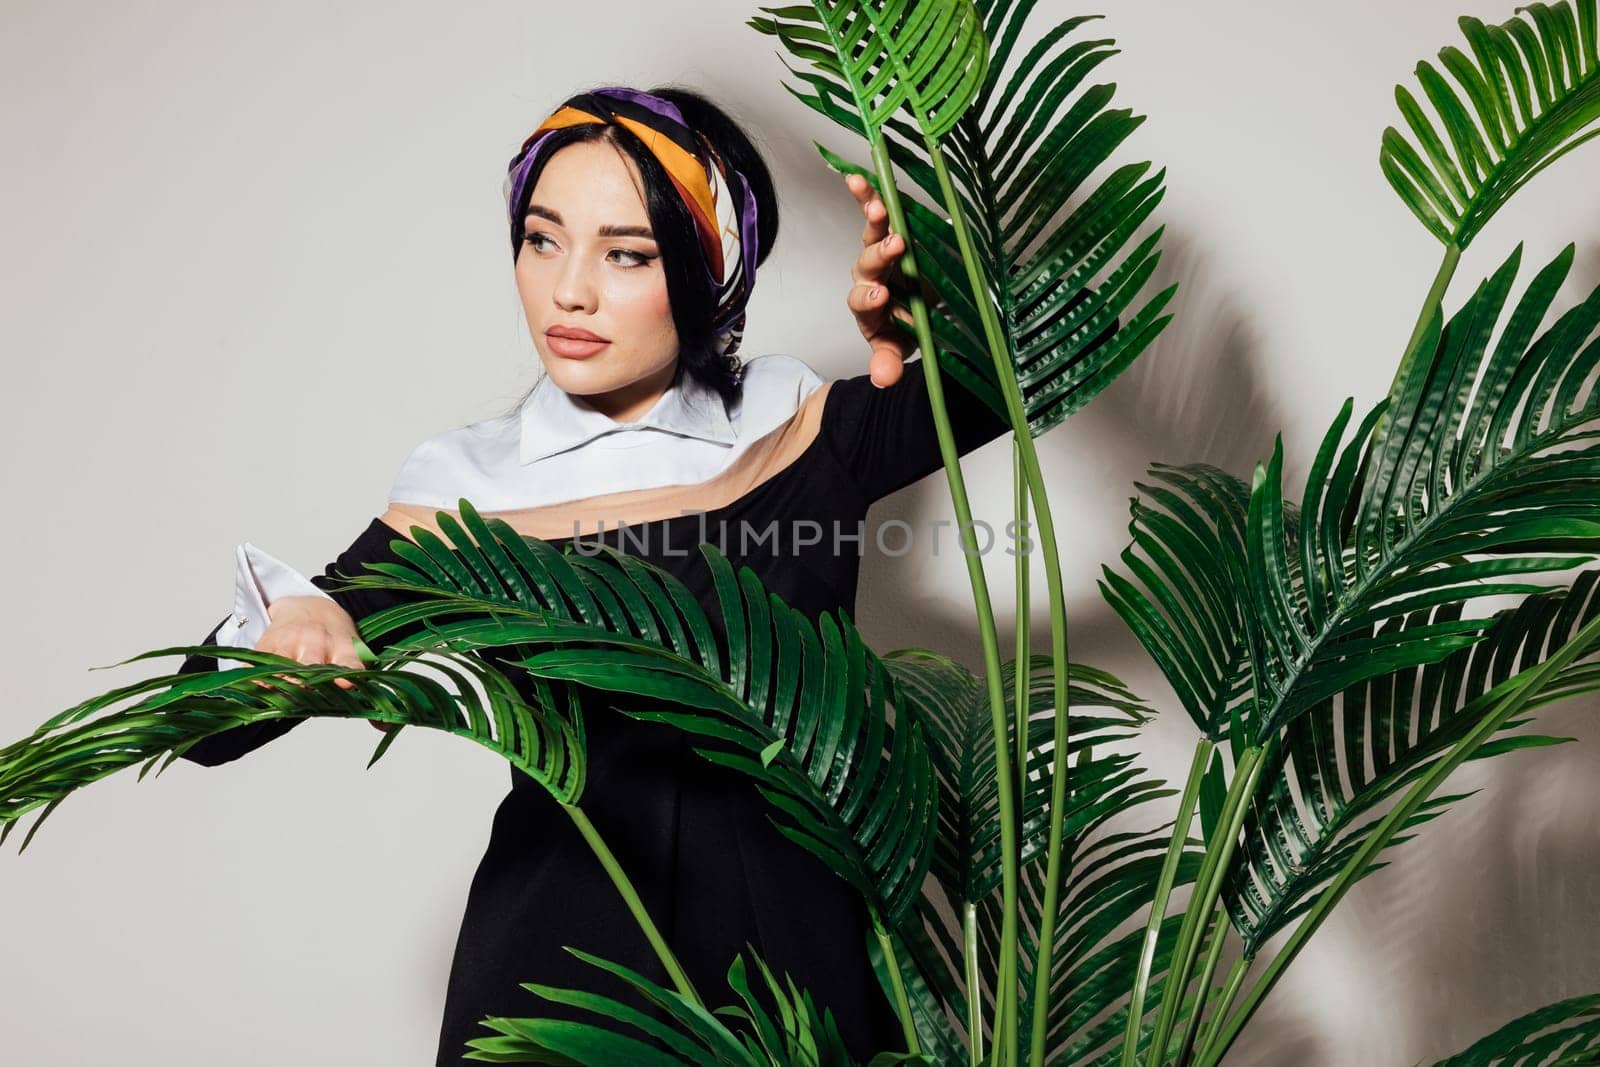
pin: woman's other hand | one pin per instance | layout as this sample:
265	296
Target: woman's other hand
311	629
886	327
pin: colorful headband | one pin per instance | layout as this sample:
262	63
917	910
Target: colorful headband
718	196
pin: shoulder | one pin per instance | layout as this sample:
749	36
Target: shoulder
779	377
775	387
461	461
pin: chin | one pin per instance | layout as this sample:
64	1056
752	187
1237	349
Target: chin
580	377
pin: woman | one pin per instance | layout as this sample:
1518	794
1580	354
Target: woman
638	221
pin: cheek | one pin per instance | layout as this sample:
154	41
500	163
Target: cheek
660	303
529	287
646	305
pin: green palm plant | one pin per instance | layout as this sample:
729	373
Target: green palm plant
791	1032
1301	634
971	809
1029	332
1094	960
1564	1034
1528	95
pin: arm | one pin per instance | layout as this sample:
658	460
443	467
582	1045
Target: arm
260	581
885	436
264	583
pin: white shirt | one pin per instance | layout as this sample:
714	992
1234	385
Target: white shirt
554	448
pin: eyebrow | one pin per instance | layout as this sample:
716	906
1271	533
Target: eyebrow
605	231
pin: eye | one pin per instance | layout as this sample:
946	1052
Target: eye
640	259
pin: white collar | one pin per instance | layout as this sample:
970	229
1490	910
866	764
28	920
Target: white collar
553	421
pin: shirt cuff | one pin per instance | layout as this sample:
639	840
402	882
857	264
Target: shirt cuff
259	579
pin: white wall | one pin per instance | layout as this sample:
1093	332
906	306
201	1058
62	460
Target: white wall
249	258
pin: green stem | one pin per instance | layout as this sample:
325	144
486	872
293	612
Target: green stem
897	982
1163	892
1218	934
1435	297
1230	992
619	879
980	586
1207	887
1023	664
1516	692
969	948
1024	659
1005	373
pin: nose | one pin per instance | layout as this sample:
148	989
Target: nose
574	287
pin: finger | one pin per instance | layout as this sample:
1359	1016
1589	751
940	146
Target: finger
879	261
880	322
890	344
870	302
304	652
877	216
860	188
268	682
892	335
885	366
264	646
349	660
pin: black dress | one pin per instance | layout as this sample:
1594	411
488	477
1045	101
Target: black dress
695	838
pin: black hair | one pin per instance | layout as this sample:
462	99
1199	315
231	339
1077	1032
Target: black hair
689	290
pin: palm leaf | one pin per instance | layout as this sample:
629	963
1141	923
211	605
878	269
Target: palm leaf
935	996
1096	958
1013	169
1093	961
801	707
166	714
1524	98
778	1029
1319	621
1446	477
950	701
782	1029
1089	999
927	56
1564	1034
1388	524
1188	552
1286	858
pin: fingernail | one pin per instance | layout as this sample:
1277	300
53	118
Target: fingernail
875	292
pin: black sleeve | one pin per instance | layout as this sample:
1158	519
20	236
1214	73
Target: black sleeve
886	436
371	546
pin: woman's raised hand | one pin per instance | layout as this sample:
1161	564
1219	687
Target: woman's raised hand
311	629
886	326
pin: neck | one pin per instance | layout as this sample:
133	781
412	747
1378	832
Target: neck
630	402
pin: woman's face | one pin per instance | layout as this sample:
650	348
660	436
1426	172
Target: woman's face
592	265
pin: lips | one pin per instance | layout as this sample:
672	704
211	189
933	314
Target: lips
563	343
577	333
